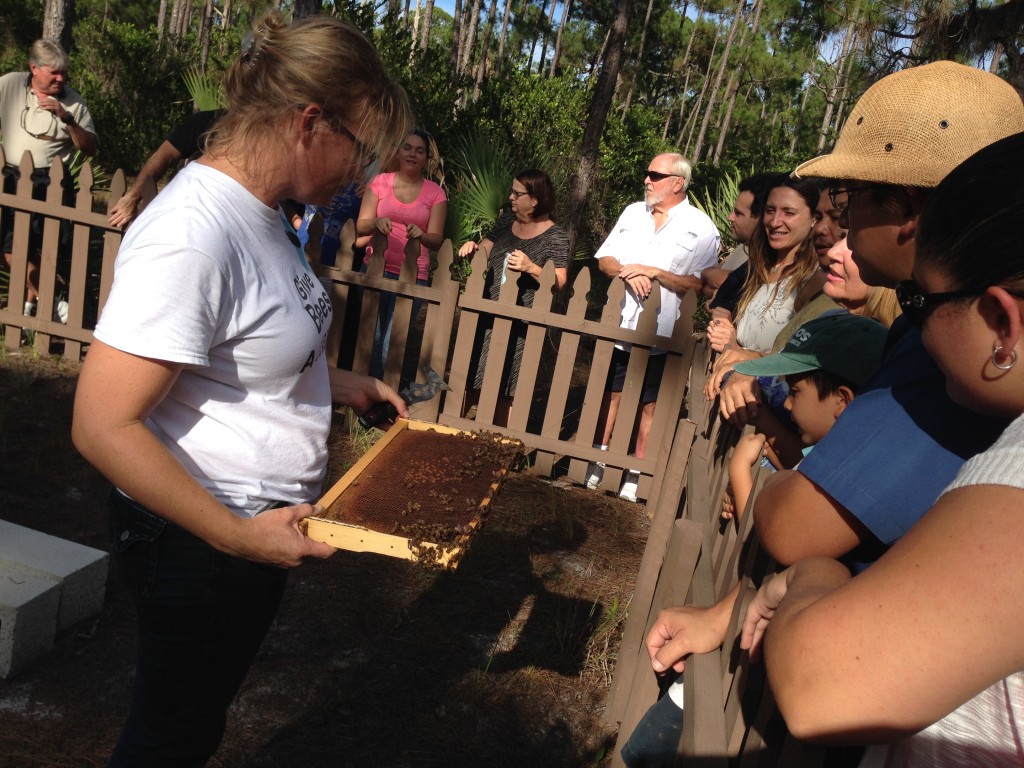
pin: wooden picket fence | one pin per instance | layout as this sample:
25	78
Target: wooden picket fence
565	361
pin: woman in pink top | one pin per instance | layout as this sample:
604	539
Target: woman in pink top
404	206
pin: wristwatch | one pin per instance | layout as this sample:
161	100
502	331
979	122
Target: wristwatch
68	118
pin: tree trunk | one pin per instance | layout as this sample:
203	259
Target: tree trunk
485	44
472	24
304	8
548	29
428	18
832	98
456	34
504	33
811	81
566	10
685	67
55	21
204	35
639	57
736	22
161	17
691	121
536	35
600	104
734	82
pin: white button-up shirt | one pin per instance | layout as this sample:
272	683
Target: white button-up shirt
685	244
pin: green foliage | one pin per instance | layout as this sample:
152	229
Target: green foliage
20	27
718	202
480	187
204	88
133	88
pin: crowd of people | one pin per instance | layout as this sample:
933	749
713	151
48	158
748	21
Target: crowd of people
873	311
896	530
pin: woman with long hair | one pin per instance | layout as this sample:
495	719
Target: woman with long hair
206	397
782	274
404	206
922	649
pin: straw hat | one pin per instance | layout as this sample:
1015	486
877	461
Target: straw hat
915	126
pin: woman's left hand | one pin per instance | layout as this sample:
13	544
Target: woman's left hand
360	392
412	232
518	261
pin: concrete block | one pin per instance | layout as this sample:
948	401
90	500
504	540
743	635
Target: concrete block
28	618
80	571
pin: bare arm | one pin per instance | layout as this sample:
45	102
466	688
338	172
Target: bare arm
935	621
434	235
684	629
469	248
676	283
367	223
797	519
116	392
156	166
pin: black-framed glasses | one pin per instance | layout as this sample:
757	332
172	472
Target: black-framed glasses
366	155
516	194
835	192
917	305
657	175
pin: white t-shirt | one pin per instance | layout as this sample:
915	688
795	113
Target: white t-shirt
988	730
208	277
685	244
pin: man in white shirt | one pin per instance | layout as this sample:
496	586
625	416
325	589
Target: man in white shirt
661	241
41	114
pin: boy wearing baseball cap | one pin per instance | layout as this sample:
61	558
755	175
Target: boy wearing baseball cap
825	363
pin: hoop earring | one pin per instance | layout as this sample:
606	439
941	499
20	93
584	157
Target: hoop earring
1005	366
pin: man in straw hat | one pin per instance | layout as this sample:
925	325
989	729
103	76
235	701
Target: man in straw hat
901	440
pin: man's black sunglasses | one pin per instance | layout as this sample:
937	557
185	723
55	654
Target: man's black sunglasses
657	175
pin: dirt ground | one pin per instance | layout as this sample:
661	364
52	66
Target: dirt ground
372	661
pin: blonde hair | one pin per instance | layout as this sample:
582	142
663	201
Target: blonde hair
316	60
882	305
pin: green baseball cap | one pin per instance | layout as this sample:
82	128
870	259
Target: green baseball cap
847	346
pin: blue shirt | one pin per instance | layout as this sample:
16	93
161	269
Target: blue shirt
899	443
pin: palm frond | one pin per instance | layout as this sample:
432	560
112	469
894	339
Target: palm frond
203	88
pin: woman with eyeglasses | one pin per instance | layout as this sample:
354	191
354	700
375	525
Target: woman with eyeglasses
782	276
518	246
206	396
404	206
923	649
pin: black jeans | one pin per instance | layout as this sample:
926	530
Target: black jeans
202	617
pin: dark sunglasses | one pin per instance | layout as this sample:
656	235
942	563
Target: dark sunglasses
917	305
657	175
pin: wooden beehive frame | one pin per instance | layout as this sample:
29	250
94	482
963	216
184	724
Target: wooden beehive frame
357	538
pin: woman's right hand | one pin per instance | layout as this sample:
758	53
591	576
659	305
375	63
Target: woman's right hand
276	537
383	225
468	249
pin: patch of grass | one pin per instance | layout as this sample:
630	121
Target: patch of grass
602	650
